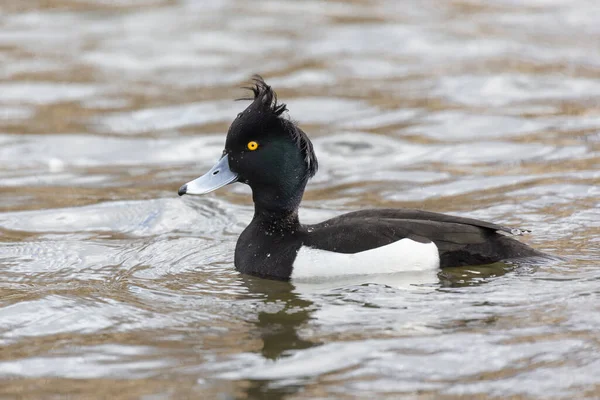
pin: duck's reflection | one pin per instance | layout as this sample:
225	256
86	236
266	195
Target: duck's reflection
279	320
281	316
286	310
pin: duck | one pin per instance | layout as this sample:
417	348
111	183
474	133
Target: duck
269	152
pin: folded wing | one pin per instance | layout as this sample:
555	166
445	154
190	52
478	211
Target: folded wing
460	241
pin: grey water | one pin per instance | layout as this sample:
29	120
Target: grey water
111	286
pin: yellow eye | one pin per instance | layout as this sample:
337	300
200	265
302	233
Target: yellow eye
252	145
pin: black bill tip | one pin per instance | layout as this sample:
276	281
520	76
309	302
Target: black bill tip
182	190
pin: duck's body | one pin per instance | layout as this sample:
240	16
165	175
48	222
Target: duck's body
370	241
274	157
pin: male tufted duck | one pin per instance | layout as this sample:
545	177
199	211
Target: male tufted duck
275	158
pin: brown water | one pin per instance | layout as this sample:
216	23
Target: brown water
111	286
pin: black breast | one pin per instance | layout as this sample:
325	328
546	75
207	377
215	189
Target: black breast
268	250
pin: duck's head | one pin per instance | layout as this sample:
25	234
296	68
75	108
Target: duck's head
265	150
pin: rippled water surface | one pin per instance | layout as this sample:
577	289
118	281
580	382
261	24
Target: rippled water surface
111	286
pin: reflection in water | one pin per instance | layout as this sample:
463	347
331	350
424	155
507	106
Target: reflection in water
282	313
112	287
280	317
285	309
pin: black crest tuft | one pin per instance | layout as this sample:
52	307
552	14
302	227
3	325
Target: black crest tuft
265	96
265	99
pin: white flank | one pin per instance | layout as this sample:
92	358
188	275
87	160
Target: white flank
401	256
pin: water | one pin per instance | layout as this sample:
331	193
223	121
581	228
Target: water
113	287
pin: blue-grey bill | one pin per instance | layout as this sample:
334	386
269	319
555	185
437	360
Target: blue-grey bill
218	176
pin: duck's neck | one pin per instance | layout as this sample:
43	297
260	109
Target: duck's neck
276	223
278	204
